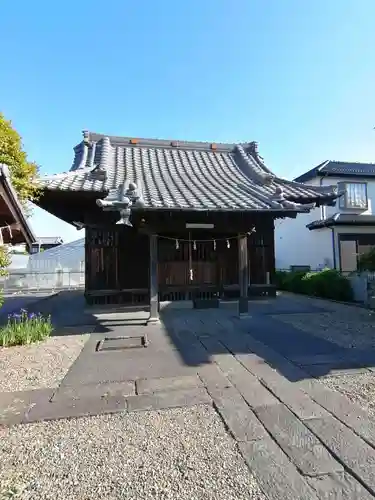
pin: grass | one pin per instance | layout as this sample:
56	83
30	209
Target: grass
25	328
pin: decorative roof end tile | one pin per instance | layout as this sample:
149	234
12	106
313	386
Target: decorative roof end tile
251	169
99	173
86	136
123	199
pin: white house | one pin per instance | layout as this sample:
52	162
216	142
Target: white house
331	236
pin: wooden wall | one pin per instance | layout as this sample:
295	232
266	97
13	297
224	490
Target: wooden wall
188	268
261	253
117	266
214	267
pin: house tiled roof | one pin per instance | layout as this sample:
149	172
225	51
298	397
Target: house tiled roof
49	240
338	168
343	219
181	175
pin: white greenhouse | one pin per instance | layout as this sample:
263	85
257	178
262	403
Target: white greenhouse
60	267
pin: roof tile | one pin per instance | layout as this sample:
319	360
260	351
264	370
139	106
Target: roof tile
190	176
338	168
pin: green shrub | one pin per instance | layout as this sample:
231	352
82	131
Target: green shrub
366	261
328	284
23	328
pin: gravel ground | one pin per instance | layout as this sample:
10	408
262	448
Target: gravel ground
347	326
359	389
172	454
350	327
38	366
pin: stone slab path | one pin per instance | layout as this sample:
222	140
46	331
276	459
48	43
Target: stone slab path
300	439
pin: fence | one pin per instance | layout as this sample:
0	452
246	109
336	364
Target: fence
27	282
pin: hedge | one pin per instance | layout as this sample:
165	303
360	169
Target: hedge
328	284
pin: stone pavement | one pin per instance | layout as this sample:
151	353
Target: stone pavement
300	439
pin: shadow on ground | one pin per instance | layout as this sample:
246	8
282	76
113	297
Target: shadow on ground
186	339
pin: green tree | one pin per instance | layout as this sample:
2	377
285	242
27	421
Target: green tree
23	173
366	261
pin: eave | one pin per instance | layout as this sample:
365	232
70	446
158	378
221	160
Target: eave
342	220
13	214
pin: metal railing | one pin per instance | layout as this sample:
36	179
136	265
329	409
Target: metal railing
33	282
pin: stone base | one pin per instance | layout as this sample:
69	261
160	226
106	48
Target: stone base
176	304
243	306
244	315
206	303
153	320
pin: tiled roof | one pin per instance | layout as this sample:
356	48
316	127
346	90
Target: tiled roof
181	175
28	235
343	219
338	168
49	240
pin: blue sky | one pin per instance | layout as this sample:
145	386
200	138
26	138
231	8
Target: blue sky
296	76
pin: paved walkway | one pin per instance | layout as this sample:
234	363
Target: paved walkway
300	439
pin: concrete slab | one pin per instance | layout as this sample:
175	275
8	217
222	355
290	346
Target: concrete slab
171	399
237	416
286	339
274	472
349	413
160	359
105	390
212	377
357	456
293	398
339	486
14	405
151	386
306	452
74	409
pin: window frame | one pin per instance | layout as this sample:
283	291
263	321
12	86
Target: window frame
343	200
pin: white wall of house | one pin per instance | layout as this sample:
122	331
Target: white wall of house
297	245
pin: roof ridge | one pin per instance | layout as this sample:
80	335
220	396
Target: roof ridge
352	162
78	171
252	169
144	141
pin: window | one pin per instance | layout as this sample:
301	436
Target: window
355	195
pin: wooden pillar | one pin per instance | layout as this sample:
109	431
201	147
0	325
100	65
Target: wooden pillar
272	261
154	298
243	274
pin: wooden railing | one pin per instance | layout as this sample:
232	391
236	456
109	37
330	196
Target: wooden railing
132	297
